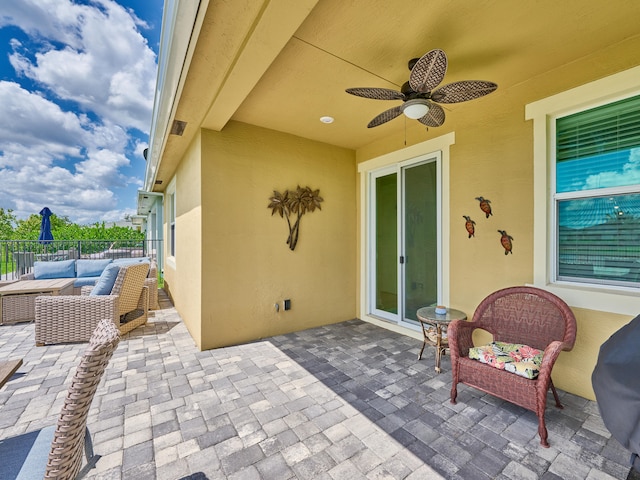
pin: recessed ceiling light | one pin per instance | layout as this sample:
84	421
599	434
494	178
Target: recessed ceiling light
326	119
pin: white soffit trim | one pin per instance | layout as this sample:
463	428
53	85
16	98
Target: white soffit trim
178	29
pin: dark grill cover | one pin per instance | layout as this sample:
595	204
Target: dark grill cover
616	383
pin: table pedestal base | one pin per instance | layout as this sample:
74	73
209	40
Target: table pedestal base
430	321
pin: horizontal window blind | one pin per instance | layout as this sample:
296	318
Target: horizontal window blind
599	240
601	130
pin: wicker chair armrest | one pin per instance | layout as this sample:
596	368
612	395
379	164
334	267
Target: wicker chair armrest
86	289
152	285
28	276
550	355
544	377
153	270
143	302
460	333
77	302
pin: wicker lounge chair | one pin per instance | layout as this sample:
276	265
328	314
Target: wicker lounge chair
522	315
25	456
72	318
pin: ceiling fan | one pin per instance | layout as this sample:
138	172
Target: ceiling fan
420	100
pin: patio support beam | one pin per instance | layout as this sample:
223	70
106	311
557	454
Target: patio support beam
267	35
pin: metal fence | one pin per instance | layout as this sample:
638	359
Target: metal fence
17	257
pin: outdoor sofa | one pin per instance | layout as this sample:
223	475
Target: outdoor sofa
86	272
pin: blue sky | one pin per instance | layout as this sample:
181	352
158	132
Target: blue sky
77	79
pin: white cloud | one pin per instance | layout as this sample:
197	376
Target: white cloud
140	147
107	135
85	79
28	120
629	175
105	64
49	19
84	196
102	167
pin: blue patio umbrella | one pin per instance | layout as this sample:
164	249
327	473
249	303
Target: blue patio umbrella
46	237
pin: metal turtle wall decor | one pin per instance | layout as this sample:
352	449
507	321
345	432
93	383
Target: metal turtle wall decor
294	203
485	205
507	242
469	225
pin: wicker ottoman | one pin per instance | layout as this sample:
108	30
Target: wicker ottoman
18	299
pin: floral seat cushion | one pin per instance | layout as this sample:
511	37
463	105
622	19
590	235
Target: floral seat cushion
512	357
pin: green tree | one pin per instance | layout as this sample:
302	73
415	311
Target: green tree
64	229
7	223
27	229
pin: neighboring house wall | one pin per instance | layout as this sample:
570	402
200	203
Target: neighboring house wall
233	263
493	157
153	231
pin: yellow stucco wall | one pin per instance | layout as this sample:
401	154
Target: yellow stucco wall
183	273
493	157
232	264
247	266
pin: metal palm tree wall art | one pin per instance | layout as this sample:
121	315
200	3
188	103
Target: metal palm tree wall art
294	202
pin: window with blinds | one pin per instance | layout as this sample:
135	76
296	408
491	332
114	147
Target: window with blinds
597	195
172	224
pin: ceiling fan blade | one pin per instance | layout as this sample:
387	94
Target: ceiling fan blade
434	117
428	71
462	91
385	116
376	93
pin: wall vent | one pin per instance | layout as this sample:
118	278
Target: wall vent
177	128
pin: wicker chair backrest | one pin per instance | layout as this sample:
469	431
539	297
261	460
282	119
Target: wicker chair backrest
65	457
128	286
527	315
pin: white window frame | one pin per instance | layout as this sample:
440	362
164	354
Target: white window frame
171	222
608	298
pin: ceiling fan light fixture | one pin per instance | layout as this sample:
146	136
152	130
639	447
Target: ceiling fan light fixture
422	94
416	108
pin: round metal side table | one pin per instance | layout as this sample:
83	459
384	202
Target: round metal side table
429	321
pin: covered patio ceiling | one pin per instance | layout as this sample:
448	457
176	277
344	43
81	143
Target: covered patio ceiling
283	65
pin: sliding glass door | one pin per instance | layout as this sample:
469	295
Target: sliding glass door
384	252
404	246
419	259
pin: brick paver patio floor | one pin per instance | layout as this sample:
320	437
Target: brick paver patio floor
347	401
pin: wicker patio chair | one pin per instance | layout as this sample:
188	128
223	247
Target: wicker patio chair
25	456
522	315
72	318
